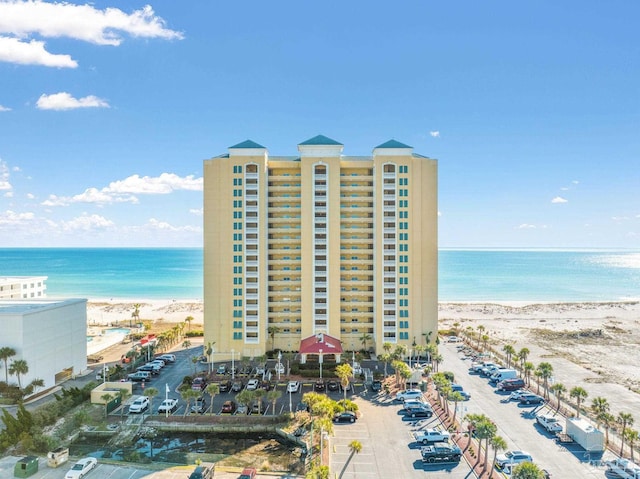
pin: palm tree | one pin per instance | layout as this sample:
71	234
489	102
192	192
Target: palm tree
136	313
509	350
123	394
485	341
385	358
354	448
272	397
499	444
387	346
272	331
151	393
36	383
632	438
18	368
364	339
545	371
107	399
344	373
209	352
187	395
188	320
523	354
456	397
599	405
526	470
579	394
558	389
480	329
6	353
624	419
258	394
528	368
607	420
212	390
485	429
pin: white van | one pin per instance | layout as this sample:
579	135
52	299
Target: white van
502	374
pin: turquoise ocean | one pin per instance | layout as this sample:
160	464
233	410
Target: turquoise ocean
464	274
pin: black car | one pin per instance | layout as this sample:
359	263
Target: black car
237	386
225	386
531	398
419	412
266	385
319	385
333	385
346	416
376	385
302	407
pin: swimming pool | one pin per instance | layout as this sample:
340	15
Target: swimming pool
117	331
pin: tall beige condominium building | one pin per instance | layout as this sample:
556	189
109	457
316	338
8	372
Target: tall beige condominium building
319	243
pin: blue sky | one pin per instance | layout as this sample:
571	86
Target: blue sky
108	109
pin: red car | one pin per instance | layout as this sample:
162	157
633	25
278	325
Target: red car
229	407
248	473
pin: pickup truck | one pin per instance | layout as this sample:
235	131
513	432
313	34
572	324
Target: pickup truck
431	435
550	423
441	451
623	468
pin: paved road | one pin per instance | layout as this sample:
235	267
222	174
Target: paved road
516	424
387	445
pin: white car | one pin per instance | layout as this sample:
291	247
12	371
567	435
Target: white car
139	405
293	386
511	458
279	368
168	406
252	384
82	468
408	394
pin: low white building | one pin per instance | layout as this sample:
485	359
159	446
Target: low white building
23	287
50	335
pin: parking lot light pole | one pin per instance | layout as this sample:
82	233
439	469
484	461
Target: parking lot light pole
320	363
233	364
290	407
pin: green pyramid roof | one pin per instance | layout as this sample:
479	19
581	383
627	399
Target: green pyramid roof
320	140
393	144
247	144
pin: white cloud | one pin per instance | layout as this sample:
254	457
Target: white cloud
197	211
11	218
125	190
559	199
31	196
21	19
12	50
4	176
4	108
526	226
64	101
86	223
163	225
435	134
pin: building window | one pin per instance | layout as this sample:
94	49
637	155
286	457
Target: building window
237	335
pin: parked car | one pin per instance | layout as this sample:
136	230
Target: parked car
171	358
293	386
457	387
202	472
376	385
225	386
346	416
413	403
408	394
319	385
242	409
199	384
530	398
168	406
510	384
419	411
140	405
266	385
139	376
550	423
199	405
333	385
229	407
82	468
302	407
426	436
252	384
441	452
237	386
511	458
258	407
222	369
248	473
515	395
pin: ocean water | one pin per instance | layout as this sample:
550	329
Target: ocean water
464	275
